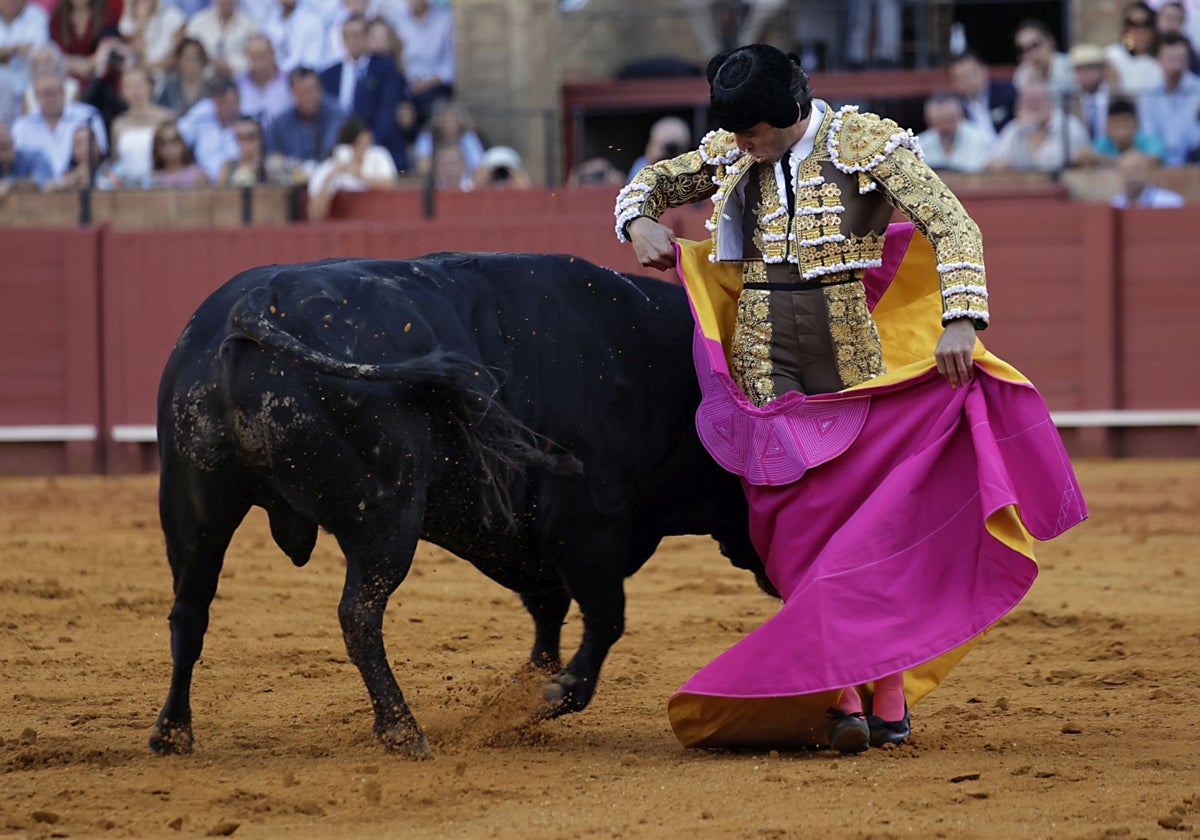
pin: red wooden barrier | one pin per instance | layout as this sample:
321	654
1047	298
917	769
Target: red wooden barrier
1094	305
1158	267
49	367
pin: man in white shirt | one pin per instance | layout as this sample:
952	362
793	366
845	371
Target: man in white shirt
951	142
1133	168
427	34
223	30
208	126
298	35
263	89
23	26
51	131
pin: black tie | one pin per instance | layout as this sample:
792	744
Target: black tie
787	185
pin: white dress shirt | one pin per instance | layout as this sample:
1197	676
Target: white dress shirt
30	26
32	132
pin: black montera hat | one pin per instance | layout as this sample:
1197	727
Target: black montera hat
752	84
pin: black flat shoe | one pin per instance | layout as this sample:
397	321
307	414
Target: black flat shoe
849	733
889	731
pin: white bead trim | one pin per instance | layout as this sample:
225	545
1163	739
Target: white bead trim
952	314
850	266
837	237
717	160
816	211
955	266
978	291
901	138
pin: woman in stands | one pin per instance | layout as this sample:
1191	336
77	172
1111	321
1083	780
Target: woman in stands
184	84
77	26
133	131
174	165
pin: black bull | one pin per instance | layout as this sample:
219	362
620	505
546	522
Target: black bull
532	414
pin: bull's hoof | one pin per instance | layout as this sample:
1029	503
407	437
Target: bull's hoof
171	739
406	742
564	694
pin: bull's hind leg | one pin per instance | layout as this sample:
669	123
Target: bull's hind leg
198	519
548	609
378	557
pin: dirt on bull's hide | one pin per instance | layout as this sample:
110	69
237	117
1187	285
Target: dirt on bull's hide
1075	718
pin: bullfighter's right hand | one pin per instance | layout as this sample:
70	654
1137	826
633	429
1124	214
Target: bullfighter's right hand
653	243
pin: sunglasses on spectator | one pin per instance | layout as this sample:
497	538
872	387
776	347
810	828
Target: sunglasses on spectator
170	138
1138	23
246	135
1029	46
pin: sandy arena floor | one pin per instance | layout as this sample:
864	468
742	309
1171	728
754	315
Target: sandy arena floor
1078	717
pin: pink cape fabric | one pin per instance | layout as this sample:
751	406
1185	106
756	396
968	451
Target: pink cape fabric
894	521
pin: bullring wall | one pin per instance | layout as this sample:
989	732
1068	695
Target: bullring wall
1094	305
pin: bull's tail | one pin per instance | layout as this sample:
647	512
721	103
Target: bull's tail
467	391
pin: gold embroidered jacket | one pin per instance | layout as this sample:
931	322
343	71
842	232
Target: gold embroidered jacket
860	168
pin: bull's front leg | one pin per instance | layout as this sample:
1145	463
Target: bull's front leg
600	594
372	574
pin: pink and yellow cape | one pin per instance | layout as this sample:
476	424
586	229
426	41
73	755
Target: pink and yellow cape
897	518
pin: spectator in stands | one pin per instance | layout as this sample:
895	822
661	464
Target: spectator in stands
84	161
102	87
297	34
950	142
223	30
1133	169
596	171
306	132
369	86
186	82
1132	57
133	131
884	51
252	166
24	26
669	137
1122	133
334	49
20	169
263	88
1040	61
427	34
151	28
382	40
1172	109
174	163
1172	17
1093	93
356	164
51	130
207	127
987	103
501	168
450	168
48	60
1042	137
450	124
77	25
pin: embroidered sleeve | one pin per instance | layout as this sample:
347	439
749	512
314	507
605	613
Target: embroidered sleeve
660	186
910	186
